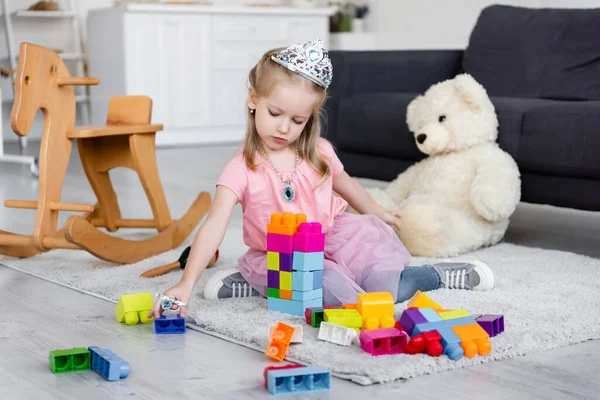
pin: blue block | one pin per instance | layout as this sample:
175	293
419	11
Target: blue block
305	296
430	315
107	364
451	343
318	279
292	306
302	281
166	324
298	380
308	261
435	326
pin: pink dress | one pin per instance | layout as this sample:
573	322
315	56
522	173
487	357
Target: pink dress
362	253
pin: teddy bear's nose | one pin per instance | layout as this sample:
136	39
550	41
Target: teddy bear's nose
421	138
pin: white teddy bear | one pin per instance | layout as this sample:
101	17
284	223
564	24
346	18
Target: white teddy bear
460	197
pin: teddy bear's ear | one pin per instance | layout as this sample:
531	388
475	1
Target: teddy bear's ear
410	112
470	91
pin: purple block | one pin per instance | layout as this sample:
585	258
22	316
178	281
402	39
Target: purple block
309	238
280	243
318	279
285	261
492	324
272	279
410	318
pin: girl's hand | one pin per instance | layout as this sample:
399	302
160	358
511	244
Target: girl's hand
182	291
392	218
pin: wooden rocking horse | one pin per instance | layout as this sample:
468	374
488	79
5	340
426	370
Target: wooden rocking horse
128	140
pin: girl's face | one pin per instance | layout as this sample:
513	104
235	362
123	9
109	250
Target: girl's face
281	116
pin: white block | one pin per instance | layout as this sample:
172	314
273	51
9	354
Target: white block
337	334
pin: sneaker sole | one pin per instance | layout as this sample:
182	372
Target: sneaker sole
215	282
486	276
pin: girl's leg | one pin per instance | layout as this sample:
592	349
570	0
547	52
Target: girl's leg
423	278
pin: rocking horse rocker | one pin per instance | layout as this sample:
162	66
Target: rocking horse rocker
128	140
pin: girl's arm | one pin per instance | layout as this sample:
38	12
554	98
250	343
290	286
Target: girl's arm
358	198
207	241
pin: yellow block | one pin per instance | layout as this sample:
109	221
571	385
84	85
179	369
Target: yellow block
134	308
273	261
345	317
376	309
452	314
285	280
420	300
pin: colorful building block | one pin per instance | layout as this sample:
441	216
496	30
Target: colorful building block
296	336
474	339
378	342
451	343
169	324
454	314
445	323
420	300
492	324
134	308
108	365
377	309
305	281
309	238
285	294
309	295
315	315
337	334
285	261
292	306
274	368
298	380
410	318
285	223
272	261
429	314
279	341
280	243
69	360
308	261
348	318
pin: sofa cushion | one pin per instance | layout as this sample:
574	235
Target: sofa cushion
542	53
375	123
562	139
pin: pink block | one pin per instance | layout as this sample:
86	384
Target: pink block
279	243
309	238
383	341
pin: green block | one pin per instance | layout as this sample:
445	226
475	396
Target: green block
317	317
76	359
273	293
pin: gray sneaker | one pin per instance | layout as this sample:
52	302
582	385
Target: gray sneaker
228	283
470	275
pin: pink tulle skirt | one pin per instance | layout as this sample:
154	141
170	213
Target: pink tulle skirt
362	254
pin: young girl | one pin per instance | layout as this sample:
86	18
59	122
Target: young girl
286	166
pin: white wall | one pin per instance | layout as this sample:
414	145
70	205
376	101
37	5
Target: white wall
430	24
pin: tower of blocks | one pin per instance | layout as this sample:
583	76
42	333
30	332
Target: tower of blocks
295	254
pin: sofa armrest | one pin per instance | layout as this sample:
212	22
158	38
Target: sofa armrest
408	71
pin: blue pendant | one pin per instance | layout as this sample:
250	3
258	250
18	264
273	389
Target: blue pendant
288	193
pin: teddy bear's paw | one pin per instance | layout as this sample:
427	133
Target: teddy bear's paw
422	229
489	205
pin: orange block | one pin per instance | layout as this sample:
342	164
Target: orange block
376	309
280	341
474	339
285	223
285	294
349	306
420	300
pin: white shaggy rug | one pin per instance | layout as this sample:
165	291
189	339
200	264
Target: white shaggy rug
549	299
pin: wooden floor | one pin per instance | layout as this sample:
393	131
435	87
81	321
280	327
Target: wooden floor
40	316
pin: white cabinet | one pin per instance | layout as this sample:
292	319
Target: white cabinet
193	61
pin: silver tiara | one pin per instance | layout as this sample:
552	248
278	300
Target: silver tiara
309	60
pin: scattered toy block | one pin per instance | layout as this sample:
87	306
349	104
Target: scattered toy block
308	261
416	345
451	343
309	238
452	314
474	339
420	300
298	380
429	314
69	360
376	309
279	341
433	347
292	306
349	318
296	336
337	334
108	365
134	308
275	367
431	326
492	324
378	342
285	223
410	318
169	324
349	306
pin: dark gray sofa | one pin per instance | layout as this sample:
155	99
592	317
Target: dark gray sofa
541	68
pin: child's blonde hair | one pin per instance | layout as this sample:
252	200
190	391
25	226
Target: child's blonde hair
262	79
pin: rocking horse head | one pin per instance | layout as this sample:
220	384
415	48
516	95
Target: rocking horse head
43	82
